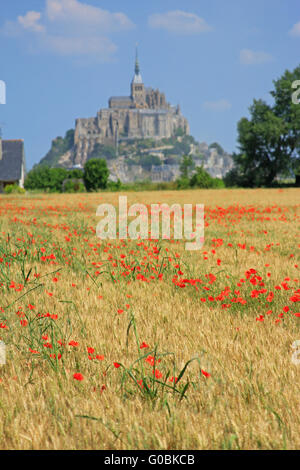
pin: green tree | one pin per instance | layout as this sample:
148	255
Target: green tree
146	161
187	165
269	142
201	179
95	174
75	173
45	178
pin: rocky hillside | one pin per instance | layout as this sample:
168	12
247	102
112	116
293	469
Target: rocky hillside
59	147
140	159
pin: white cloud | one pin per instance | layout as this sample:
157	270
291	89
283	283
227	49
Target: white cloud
179	22
218	106
30	22
249	57
70	28
84	15
295	31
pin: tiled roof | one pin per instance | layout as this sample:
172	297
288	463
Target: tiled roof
11	161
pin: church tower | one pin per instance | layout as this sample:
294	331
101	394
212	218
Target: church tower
138	94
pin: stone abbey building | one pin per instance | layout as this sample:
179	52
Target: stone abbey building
143	114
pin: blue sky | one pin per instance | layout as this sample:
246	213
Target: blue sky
63	59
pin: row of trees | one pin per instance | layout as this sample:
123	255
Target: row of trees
94	177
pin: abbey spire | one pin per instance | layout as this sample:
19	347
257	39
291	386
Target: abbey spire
137	65
138	94
137	74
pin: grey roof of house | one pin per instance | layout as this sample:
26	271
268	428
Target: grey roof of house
120	98
12	159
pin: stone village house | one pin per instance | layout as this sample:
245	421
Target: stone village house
12	163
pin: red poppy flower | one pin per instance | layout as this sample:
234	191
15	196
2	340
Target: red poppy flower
78	376
33	351
158	374
206	374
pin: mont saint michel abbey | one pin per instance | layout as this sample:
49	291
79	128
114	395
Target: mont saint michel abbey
143	114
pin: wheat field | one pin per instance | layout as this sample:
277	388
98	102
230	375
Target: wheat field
140	344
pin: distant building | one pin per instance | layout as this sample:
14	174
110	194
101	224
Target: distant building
12	163
143	114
